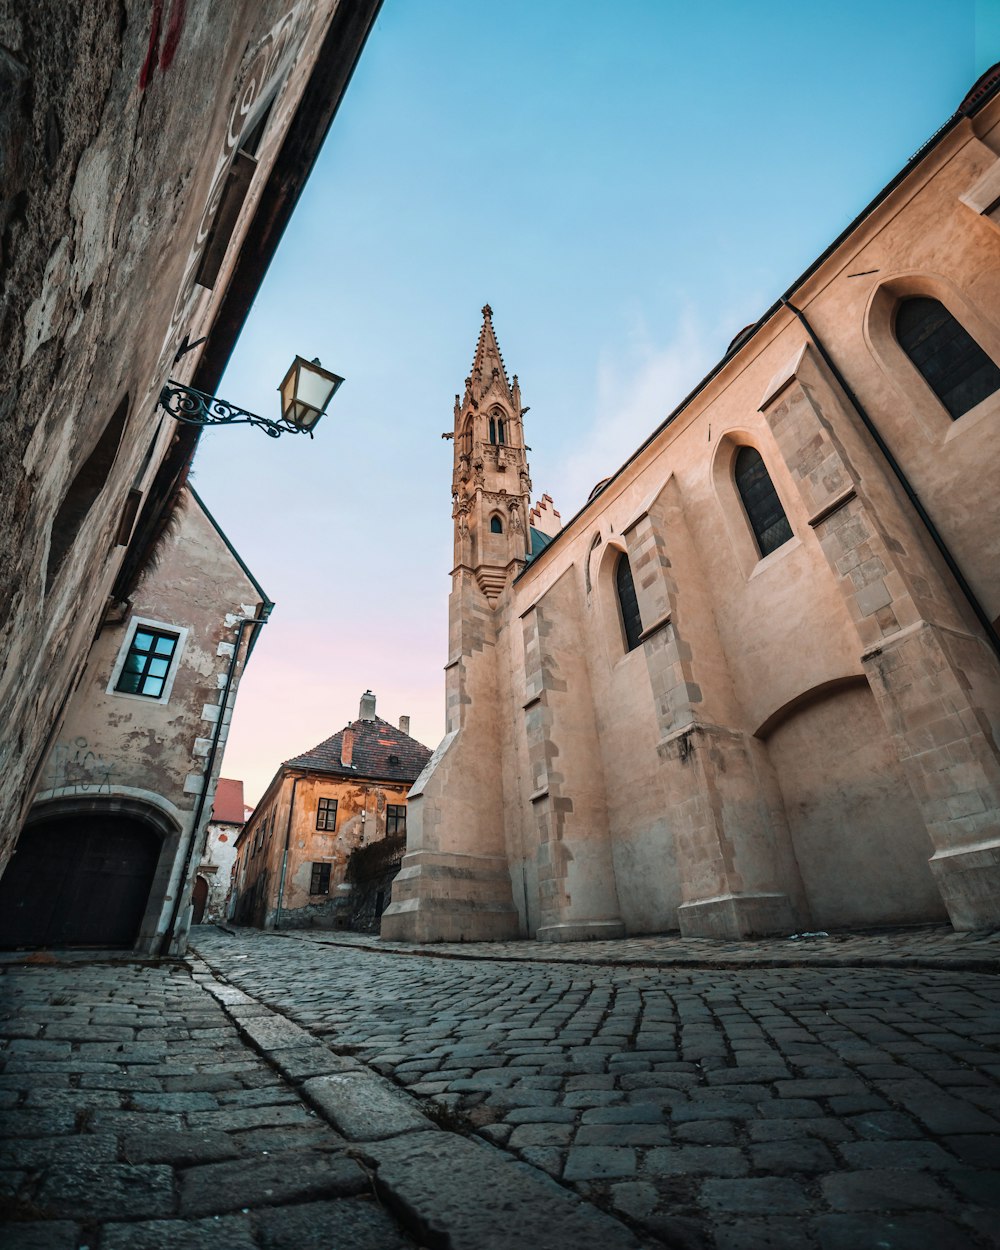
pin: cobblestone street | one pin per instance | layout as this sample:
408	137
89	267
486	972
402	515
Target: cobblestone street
845	1106
325	1090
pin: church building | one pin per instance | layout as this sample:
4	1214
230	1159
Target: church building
753	685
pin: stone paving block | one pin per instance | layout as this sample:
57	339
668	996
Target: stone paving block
541	1135
233	1119
231	1232
40	1235
541	1115
763	1195
349	1222
783	1158
176	1100
449	1183
106	1191
901	1232
776	1233
315	1135
40	1152
981	1188
896	1154
883	1190
584	1163
695	1161
217	1188
622	1135
706	1132
181	1149
364	1107
979	1150
272	1031
826	1128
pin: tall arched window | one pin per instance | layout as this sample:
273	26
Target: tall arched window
760	500
493	429
628	604
945	354
496	525
500	432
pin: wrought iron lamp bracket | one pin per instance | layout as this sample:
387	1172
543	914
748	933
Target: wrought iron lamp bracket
193	407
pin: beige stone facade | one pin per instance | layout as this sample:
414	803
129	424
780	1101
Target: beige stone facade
803	730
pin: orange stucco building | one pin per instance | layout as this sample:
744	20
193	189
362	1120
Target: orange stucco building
346	793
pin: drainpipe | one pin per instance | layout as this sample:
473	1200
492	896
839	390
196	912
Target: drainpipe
284	854
255	621
970	595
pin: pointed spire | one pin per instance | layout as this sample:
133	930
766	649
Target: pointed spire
488	368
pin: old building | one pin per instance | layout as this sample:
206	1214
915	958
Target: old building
347	793
212	895
150	158
119	820
753	685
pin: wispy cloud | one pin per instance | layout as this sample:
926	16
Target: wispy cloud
635	391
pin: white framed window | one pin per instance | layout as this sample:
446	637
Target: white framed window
148	660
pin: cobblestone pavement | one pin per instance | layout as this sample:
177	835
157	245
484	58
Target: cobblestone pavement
134	1116
841	1103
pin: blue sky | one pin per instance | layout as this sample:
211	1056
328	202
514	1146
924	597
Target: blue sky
627	185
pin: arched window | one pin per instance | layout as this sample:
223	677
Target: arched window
760	500
493	430
496	525
500	433
945	354
628	604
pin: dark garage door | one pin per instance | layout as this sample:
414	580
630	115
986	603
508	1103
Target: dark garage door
78	881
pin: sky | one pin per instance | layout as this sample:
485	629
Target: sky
627	186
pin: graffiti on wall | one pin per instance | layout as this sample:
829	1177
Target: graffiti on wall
76	767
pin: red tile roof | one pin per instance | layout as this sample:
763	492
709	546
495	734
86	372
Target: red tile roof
381	752
228	806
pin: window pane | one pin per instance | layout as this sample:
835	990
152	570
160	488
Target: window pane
165	646
129	683
142	641
763	507
950	360
153	686
628	603
134	663
158	668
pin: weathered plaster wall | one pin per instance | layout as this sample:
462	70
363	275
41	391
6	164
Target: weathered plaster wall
361	821
217	863
113	745
113	164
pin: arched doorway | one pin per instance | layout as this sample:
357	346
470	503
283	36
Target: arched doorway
199	898
78	879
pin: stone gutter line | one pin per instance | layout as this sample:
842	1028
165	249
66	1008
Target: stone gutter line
450	1190
986	966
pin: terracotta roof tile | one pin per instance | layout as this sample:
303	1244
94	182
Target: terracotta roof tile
228	805
380	751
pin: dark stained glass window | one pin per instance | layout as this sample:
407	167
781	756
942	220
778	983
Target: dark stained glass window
760	499
496	525
948	358
628	603
395	819
319	883
326	815
147	663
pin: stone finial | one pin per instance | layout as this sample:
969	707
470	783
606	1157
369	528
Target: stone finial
487	312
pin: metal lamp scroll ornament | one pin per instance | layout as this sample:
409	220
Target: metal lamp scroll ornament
305	393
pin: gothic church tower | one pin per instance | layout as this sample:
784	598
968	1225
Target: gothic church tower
455	880
490	485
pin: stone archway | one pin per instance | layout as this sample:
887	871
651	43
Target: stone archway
79	878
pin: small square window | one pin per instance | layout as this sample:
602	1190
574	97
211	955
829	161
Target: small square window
326	815
395	818
320	881
147	663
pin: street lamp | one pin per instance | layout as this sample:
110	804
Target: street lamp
305	393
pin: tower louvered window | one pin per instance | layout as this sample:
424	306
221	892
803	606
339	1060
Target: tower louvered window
760	501
628	603
945	354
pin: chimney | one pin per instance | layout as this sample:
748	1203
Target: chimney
367	709
404	725
347	747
